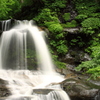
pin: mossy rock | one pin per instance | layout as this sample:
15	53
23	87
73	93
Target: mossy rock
80	88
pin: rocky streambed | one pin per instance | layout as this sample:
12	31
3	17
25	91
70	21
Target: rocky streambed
78	87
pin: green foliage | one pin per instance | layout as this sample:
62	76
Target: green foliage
55	4
85	66
60	65
54	28
59	46
86	7
91	67
94	46
73	23
81	43
8	8
66	16
95	51
91	23
73	41
95	72
78	41
46	15
81	17
88	15
60	4
27	2
97	15
89	31
56	61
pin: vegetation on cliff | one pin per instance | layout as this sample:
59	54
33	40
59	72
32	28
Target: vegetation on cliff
89	19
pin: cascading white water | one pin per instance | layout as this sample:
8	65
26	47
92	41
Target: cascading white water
6	25
14	67
16	40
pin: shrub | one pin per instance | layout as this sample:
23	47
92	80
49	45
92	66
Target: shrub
66	16
86	7
73	23
8	8
95	72
56	27
95	51
81	17
88	15
59	46
46	15
56	61
27	2
91	67
55	4
91	23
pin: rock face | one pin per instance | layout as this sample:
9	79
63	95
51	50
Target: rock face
81	89
97	97
42	91
74	57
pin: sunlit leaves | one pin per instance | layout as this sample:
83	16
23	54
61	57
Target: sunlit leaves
91	23
7	7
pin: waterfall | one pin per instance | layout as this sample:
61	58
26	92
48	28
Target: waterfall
14	42
6	25
14	63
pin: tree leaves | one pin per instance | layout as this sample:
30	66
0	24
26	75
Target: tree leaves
7	8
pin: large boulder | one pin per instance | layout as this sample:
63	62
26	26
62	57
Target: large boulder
79	88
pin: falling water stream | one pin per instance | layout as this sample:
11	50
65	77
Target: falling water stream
24	84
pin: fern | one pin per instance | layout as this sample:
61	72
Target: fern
91	23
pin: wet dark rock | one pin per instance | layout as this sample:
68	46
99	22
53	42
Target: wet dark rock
78	88
17	98
4	91
3	82
97	97
74	57
42	91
